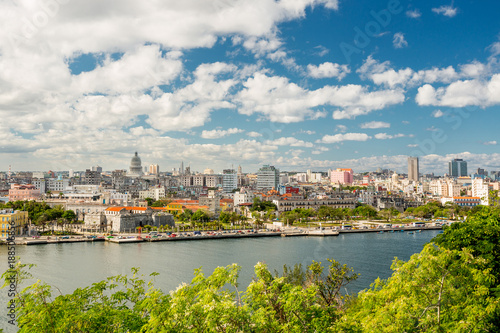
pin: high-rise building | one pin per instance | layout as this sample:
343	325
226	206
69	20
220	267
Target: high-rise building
457	168
229	180
480	189
268	177
154	169
96	168
413	168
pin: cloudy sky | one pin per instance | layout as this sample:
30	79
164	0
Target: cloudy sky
300	84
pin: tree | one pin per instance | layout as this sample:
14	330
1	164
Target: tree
437	290
149	201
69	215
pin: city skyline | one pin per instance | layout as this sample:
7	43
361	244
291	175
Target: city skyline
311	84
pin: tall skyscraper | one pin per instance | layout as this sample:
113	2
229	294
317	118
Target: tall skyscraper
457	168
413	168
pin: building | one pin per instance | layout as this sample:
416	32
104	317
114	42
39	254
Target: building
413	171
154	169
18	220
467	201
135	169
268	177
92	177
285	204
342	176
97	168
229	180
128	219
24	192
457	168
155	193
481	190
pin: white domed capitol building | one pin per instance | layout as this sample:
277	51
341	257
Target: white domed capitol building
135	167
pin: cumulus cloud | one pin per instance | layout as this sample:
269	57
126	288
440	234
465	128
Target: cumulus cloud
344	137
253	134
437	113
289	141
279	100
385	136
490	143
448	11
328	70
375	124
413	13
217	134
462	93
399	41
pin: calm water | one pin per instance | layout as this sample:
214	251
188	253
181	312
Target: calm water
69	266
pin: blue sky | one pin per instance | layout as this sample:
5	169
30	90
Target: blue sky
305	84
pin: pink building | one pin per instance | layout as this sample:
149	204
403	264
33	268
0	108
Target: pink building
342	176
23	192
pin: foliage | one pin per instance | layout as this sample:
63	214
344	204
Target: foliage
437	290
262	206
207	304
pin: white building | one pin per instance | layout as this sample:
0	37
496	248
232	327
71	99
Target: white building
480	189
155	193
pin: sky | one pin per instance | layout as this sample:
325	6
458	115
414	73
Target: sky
298	84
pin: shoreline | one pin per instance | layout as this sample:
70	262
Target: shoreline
132	238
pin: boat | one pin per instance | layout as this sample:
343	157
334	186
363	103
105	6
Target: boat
410	232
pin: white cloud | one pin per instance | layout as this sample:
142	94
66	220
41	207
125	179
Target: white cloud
254	134
309	132
375	124
448	11
490	143
437	113
344	137
462	93
217	134
289	141
341	128
328	70
413	13
279	100
383	74
399	41
385	136
412	145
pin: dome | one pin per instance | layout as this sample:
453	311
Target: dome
136	161
135	166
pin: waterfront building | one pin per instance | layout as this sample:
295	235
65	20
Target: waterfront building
288	203
128	219
13	219
268	177
342	176
135	169
24	192
457	168
413	171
